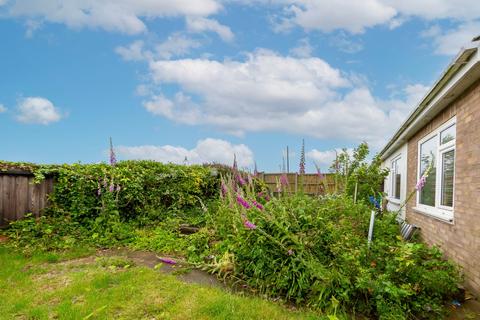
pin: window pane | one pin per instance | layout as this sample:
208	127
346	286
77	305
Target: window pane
392	191
428	150
397	186
448	134
448	160
395	193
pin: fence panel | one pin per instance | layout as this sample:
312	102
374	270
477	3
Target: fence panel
19	195
310	183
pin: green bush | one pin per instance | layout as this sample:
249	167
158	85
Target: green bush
131	188
314	251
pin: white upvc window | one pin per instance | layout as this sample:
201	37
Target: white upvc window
438	150
395	178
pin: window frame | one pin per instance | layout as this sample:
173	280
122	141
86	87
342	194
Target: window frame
393	190
439	211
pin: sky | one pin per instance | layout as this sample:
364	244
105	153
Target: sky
207	79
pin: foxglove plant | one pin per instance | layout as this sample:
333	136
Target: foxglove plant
418	187
235	165
113	158
240	180
244	203
249	225
302	159
258	205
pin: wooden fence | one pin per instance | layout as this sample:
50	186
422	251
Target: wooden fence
311	183
19	195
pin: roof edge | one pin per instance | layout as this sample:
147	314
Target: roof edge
462	58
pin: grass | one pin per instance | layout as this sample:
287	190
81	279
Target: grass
53	286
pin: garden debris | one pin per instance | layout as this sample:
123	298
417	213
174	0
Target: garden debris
187	229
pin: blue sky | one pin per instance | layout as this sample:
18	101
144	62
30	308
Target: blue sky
209	78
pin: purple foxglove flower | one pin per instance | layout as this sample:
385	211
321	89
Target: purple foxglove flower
223	190
301	168
240	180
112	188
249	225
258	205
319	173
290	252
243	202
167	261
235	166
421	183
113	158
284	180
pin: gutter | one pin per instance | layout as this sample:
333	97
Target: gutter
456	65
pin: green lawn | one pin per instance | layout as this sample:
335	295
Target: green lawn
51	286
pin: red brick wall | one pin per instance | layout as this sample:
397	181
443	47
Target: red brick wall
460	241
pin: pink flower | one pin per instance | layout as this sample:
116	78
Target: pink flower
223	190
319	173
249	225
240	180
112	188
284	180
167	261
243	202
113	158
421	183
290	252
258	205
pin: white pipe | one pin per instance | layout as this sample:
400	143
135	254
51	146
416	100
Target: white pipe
370	229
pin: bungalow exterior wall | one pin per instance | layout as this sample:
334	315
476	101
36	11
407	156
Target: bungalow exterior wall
398	158
460	238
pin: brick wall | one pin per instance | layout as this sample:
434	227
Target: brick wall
461	240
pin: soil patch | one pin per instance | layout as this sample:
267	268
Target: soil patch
182	271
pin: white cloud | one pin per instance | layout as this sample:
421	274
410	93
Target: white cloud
37	110
2	108
437	9
32	26
176	45
133	52
303	50
201	24
112	15
143	90
324	159
449	42
269	92
356	16
330	15
206	151
345	43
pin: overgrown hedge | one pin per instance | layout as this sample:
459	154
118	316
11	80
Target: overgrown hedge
314	251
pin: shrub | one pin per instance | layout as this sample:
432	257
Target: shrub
314	251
